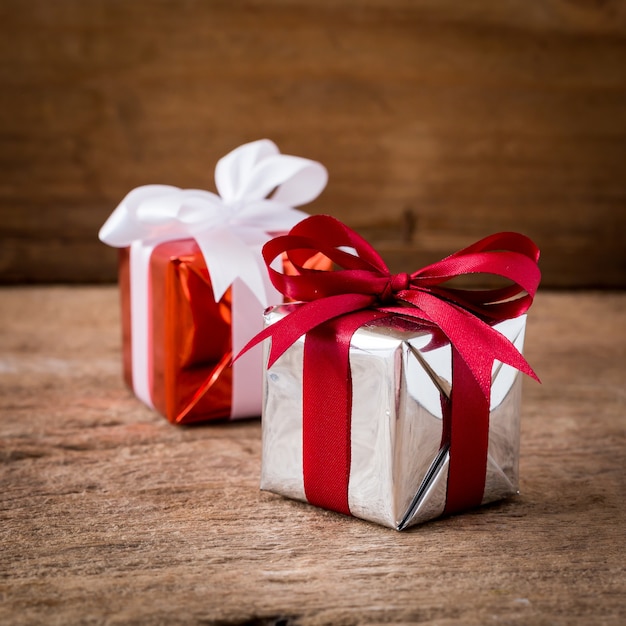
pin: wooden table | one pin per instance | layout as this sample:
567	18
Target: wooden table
110	515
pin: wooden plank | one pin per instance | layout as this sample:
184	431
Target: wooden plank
110	514
473	119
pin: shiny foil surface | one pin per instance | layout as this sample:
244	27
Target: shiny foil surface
190	379
398	473
191	337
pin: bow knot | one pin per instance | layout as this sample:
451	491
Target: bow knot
396	284
364	285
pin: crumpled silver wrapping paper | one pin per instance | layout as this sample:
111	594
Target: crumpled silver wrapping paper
398	473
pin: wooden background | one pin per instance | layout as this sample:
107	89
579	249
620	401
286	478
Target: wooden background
439	121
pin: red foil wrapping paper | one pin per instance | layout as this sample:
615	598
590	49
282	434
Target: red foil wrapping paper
190	334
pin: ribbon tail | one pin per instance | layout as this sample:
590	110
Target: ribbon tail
307	316
466	331
227	258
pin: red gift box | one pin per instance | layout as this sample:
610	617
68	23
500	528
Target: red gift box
190	336
192	283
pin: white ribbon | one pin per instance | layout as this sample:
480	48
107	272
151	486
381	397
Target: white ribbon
230	229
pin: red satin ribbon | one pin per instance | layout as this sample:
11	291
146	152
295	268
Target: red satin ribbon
337	303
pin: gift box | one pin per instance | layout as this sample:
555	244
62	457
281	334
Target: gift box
192	283
398	454
394	398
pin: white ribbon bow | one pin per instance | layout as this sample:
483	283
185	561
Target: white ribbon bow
231	227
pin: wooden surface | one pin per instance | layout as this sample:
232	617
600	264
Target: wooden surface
439	121
110	515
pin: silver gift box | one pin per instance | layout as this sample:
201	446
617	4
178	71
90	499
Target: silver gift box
398	473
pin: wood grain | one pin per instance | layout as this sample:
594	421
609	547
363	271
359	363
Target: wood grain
110	515
439	123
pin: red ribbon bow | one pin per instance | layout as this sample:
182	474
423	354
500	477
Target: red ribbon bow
337	303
